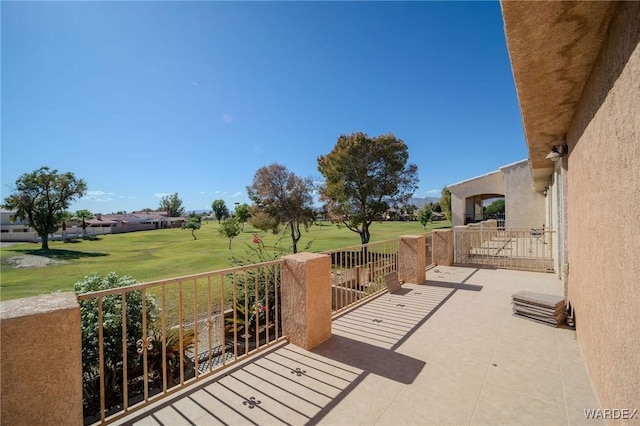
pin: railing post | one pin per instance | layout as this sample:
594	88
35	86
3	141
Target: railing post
306	299
443	246
411	259
41	363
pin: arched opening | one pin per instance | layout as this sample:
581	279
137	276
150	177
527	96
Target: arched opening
476	208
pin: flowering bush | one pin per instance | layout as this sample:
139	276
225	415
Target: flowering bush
255	315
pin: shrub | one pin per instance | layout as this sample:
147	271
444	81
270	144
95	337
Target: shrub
112	335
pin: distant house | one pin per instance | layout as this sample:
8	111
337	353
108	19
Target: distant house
14	229
435	216
524	206
136	221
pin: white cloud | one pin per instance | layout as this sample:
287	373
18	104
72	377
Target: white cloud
98	193
227	118
237	194
161	194
433	191
98	196
195	83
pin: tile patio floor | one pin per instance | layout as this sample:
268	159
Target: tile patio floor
445	352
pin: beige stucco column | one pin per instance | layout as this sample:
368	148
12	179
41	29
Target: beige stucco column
442	247
40	347
306	299
412	259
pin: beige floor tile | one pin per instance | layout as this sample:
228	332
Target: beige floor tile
536	382
147	421
457	355
365	403
518	353
260	403
412	407
172	415
507	406
445	383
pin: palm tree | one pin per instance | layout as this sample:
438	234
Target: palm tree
64	218
84	215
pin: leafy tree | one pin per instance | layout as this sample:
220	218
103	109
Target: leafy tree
425	216
283	196
445	202
41	198
242	213
220	209
436	207
229	228
193	224
495	209
83	215
195	216
172	204
362	176
265	222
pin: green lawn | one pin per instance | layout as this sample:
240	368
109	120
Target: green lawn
160	254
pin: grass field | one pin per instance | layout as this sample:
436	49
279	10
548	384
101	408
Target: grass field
161	254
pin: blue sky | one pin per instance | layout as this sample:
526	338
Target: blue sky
144	99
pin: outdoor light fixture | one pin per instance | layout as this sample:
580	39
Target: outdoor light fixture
557	152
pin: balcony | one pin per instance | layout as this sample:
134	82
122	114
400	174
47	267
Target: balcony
446	351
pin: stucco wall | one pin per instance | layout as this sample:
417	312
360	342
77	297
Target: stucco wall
40	349
603	202
306	298
524	207
491	183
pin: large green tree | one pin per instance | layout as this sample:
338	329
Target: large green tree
220	209
285	196
495	209
172	204
363	176
42	197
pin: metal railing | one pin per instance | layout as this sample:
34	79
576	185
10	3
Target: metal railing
358	272
522	249
151	339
